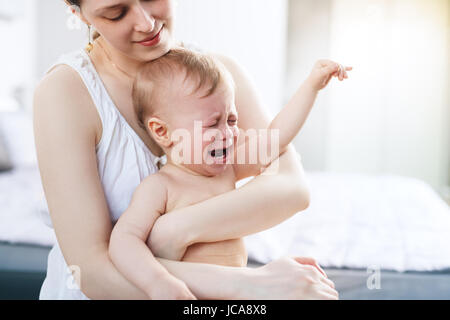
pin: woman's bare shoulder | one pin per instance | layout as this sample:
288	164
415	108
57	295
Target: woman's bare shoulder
62	95
62	82
230	63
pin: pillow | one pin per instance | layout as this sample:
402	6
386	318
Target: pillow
5	161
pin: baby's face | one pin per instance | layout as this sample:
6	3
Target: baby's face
208	127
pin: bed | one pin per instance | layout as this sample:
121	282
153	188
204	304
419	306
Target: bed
361	228
420	270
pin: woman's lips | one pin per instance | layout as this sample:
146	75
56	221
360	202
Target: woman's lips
151	41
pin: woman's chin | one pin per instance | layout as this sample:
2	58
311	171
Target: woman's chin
155	53
146	54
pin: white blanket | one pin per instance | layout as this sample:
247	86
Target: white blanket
21	205
361	221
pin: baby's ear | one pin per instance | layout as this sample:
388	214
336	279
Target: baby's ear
159	132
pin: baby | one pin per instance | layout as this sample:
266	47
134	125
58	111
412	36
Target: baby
185	101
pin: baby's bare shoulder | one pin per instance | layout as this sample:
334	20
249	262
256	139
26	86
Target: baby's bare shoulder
154	182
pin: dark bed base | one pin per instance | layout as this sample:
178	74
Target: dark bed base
22	271
23	268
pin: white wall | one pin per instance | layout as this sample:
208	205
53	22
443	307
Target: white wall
15	63
251	31
392	115
396	111
308	41
57	32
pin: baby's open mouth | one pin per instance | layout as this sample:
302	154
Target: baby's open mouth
219	153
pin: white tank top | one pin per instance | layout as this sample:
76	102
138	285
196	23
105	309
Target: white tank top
123	162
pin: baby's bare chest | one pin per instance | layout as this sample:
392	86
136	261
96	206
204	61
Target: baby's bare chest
184	192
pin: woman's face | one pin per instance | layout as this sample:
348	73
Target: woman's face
142	30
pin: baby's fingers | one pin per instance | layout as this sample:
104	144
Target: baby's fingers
343	72
331	68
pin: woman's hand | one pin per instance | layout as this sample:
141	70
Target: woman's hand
166	240
169	288
291	278
323	71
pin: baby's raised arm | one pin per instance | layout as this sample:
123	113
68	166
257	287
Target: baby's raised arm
128	249
287	123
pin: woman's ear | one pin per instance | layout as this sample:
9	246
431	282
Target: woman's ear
76	10
159	132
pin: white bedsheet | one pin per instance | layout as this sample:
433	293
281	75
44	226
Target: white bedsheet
361	221
21	203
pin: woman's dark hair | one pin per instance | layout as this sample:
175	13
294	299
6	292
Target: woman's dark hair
74	2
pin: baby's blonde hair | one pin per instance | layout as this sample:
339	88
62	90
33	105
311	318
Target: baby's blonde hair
207	73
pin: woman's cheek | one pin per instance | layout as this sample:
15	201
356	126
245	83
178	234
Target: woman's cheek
120	39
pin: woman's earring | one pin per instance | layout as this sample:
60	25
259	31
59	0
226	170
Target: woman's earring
75	9
89	46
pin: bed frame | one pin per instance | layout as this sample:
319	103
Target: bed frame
23	268
22	271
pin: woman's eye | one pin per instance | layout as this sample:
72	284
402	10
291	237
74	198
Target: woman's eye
232	122
118	17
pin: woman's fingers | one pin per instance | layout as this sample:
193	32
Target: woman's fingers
328	282
329	296
324	289
332	292
311	262
317	273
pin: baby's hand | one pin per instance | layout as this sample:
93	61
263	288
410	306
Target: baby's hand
169	288
323	71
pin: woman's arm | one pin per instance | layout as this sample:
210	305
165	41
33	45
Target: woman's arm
262	203
67	128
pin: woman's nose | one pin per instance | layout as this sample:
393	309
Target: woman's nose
145	23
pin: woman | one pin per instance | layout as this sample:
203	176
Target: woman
92	155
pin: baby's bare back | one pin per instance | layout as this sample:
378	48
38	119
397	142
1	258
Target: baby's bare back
184	190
